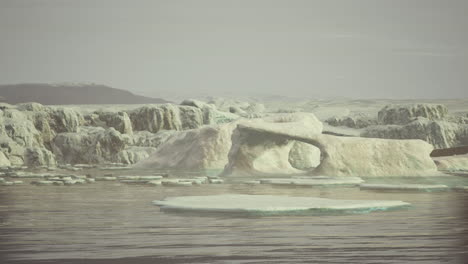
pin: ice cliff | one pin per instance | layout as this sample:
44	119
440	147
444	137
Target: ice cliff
32	134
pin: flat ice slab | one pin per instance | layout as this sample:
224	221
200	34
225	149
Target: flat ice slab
271	204
404	187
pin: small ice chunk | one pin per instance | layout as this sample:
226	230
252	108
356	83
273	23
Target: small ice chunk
90	180
148	178
184	184
66	178
241	203
216	181
155	183
80	181
128	177
166	181
151	178
202	179
42	182
134	181
27	175
162	174
106	178
198	182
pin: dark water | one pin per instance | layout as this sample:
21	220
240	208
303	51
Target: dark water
108	222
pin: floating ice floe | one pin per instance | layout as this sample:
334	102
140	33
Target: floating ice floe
405	187
216	181
115	168
313	181
155	183
90	180
106	178
28	175
271	204
144	178
134	181
61	179
47	182
10	183
177	183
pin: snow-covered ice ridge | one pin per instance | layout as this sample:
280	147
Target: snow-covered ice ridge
272	204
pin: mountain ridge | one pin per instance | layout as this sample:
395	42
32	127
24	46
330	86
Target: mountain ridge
71	93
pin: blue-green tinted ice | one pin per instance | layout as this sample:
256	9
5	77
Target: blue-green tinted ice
273	204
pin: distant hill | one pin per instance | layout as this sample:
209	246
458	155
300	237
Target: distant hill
62	94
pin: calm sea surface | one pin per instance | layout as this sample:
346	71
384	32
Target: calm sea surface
109	222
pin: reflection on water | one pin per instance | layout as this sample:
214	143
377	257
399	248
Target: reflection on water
107	220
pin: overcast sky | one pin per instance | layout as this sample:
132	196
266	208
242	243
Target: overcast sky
303	48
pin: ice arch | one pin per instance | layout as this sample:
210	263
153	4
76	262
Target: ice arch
262	147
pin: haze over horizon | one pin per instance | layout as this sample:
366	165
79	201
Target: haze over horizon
358	49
